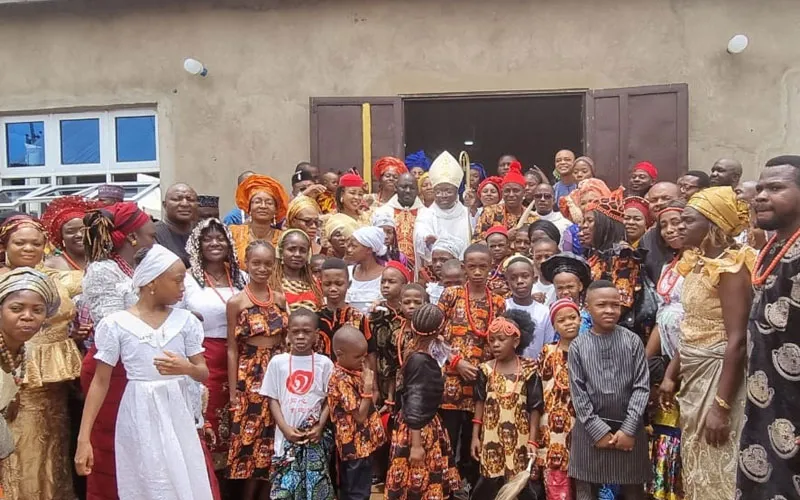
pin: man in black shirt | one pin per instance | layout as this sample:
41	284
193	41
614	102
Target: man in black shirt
180	214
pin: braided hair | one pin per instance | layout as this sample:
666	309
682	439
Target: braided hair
278	275
427	320
525	324
97	241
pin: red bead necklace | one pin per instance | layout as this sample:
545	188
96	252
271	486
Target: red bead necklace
479	333
760	279
671	280
254	299
213	287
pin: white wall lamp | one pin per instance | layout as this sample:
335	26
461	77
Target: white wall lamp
737	44
194	67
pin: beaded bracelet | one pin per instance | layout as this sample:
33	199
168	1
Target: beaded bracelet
477	421
366	395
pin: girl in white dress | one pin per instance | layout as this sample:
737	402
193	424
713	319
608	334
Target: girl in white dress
158	452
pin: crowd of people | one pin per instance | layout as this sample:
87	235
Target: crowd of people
530	334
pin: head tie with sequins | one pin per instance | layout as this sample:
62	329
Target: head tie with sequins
503	326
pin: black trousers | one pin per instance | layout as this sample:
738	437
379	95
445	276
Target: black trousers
459	429
355	479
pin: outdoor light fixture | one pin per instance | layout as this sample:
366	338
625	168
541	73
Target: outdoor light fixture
737	44
469	143
194	67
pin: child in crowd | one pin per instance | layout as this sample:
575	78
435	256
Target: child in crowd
296	384
610	386
445	249
411	298
451	274
521	242
316	266
327	199
421	463
330	180
256	332
469	310
358	430
508	403
385	322
544	292
334	282
555	425
520	274
498	243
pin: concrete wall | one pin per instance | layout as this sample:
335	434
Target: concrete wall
266	58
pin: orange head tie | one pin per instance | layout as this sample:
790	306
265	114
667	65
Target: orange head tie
504	326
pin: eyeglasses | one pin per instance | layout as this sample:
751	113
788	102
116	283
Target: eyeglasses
543	196
310	222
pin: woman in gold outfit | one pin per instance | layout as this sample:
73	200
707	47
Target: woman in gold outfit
40	467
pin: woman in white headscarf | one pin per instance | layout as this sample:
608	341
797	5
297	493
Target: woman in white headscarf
158	451
447	215
367	252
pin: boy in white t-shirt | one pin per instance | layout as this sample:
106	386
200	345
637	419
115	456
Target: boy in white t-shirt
296	384
520	274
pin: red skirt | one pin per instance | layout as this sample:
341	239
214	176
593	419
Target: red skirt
217	413
101	484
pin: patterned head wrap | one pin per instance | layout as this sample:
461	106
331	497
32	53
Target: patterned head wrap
26	278
299	204
610	207
388	163
154	264
422	179
720	206
339	222
418	160
570	205
586	160
562	304
62	210
641	205
481	171
503	326
262	184
16	222
193	248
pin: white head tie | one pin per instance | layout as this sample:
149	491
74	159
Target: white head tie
373	238
451	245
381	218
154	264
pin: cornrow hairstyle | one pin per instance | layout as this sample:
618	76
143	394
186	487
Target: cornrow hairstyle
427	320
196	260
304	312
334	263
256	244
278	275
97	242
417	288
525	324
477	248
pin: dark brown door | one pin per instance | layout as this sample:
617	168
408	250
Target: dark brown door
628	125
337	141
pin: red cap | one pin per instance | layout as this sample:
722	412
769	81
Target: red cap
400	267
641	205
497	230
514	175
351	181
648	168
562	304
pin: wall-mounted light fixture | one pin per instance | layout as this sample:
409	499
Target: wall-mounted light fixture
737	44
194	67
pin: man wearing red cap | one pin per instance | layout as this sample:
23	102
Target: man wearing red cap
643	175
506	214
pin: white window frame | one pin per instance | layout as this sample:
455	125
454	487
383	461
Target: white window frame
52	146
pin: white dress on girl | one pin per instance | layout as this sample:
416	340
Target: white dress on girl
158	451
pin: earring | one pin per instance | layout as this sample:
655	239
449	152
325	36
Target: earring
133	241
8	261
152	292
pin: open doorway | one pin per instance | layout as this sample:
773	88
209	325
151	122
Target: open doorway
532	127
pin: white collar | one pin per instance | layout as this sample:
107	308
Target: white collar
396	204
455	212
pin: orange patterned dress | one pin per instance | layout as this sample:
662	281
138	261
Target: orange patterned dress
299	294
558	417
497	215
465	331
353	440
252	427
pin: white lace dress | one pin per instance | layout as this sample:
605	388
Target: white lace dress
158	452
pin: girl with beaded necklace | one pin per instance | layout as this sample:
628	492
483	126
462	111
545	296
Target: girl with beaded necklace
256	319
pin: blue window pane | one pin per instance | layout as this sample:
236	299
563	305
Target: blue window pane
25	144
80	141
136	138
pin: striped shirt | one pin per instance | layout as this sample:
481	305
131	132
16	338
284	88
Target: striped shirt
610	386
